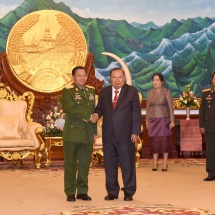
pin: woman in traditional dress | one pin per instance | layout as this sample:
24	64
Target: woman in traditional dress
159	120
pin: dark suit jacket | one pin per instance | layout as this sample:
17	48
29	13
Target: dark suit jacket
207	110
78	109
125	119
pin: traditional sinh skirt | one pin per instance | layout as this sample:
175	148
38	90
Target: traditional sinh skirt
160	136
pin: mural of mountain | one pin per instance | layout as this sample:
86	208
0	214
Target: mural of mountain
183	51
190	59
144	26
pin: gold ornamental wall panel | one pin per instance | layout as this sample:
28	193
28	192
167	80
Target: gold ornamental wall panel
42	49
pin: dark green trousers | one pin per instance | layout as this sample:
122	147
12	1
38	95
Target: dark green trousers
209	138
77	158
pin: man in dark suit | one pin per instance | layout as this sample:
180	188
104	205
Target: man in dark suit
207	127
78	135
120	129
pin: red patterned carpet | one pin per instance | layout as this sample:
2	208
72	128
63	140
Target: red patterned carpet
138	210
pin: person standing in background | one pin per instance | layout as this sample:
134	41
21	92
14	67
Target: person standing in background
207	127
78	101
159	120
120	107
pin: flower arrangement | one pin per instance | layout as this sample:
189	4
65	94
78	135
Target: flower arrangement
54	121
188	98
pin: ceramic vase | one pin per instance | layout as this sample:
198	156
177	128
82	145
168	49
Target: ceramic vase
187	113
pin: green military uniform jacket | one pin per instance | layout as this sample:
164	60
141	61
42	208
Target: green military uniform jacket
78	108
207	110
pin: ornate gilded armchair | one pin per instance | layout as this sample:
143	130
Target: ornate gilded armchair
19	136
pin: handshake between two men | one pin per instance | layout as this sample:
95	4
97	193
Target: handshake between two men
94	118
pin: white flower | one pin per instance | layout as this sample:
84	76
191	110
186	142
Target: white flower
188	97
55	115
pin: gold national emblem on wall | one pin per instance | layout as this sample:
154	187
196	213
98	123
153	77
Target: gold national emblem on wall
42	49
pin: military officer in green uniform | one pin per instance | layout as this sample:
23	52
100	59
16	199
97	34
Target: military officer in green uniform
207	127
78	101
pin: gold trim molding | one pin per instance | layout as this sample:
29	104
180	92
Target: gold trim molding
177	104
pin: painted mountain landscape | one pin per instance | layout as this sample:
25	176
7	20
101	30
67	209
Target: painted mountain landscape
182	50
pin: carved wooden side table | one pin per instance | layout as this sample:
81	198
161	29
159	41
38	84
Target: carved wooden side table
49	142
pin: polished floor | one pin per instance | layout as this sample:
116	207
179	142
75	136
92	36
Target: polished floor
27	191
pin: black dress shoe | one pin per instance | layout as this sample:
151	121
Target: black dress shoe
127	196
164	170
71	198
209	178
84	197
155	169
111	197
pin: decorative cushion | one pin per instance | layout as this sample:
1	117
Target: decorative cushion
14	108
10	127
98	142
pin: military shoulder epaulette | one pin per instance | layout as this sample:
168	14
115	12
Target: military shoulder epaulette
90	86
69	86
205	90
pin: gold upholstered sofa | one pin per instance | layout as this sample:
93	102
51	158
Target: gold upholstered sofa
19	136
